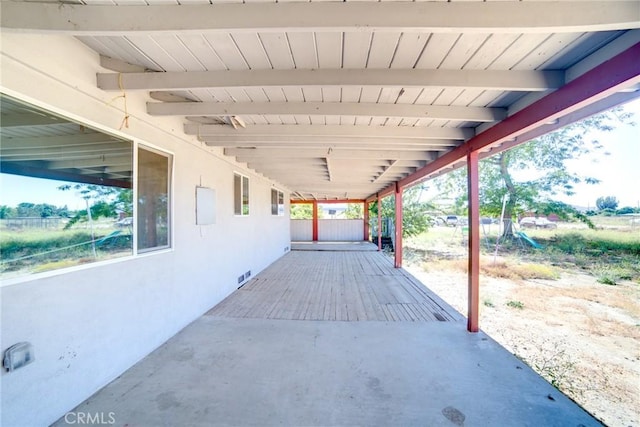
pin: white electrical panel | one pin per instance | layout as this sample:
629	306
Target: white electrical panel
205	206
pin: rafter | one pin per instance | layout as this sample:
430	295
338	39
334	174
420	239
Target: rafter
88	139
512	17
10	153
90	163
474	114
302	164
385	171
247	154
30	119
204	131
404	78
329	141
356	145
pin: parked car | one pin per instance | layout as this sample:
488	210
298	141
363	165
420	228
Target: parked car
531	222
451	220
125	222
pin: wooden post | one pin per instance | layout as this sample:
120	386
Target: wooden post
379	223
474	241
315	221
366	221
398	244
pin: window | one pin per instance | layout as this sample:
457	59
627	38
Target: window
67	193
154	171
240	194
277	202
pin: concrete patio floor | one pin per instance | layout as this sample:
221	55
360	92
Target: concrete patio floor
257	371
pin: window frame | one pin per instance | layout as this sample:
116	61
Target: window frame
277	208
245	207
136	145
136	192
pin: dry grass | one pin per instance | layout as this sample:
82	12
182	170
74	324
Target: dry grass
500	268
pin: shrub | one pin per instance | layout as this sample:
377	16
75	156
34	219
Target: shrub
516	304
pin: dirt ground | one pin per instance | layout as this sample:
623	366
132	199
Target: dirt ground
583	336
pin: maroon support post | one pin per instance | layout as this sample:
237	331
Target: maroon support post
379	223
398	244
474	241
366	221
315	221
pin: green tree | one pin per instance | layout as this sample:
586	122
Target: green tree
7	212
102	201
303	211
415	211
625	210
608	202
531	176
26	209
354	211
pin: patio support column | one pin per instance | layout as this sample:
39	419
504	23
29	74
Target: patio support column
474	241
379	223
398	244
366	221
314	222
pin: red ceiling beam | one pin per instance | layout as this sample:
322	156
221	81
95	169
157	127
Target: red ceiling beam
325	202
588	111
613	75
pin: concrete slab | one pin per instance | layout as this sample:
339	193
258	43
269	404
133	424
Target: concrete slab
246	372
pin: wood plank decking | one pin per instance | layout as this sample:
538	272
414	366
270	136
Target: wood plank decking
339	285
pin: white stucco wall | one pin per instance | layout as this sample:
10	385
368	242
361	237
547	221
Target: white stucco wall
89	324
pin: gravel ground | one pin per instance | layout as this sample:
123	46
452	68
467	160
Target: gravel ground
583	336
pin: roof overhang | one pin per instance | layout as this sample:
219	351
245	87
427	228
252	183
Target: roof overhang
347	100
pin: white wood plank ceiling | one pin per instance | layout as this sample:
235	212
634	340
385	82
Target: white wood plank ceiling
337	99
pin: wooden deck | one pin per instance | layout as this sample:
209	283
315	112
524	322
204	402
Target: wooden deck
335	285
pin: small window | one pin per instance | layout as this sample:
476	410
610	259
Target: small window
154	171
240	195
277	202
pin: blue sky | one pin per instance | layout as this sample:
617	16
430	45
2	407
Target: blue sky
619	174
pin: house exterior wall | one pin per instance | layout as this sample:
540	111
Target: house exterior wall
89	324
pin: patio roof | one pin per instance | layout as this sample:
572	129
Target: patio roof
337	100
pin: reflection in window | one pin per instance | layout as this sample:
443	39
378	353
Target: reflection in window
240	195
66	192
154	170
277	202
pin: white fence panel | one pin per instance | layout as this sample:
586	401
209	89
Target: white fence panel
301	230
340	230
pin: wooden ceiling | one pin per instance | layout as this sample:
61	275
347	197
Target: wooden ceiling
337	99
